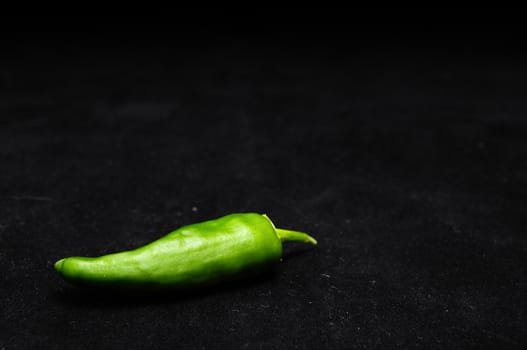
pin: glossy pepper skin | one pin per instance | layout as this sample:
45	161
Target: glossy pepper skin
199	254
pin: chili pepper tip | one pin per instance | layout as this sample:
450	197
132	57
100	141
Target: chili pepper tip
59	264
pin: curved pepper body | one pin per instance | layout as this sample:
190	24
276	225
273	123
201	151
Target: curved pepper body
193	255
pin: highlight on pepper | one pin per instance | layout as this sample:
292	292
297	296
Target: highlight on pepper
200	254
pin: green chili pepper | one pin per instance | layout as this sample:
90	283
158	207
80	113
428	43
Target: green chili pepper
200	254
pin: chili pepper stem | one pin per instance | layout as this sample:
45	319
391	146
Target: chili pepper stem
294	236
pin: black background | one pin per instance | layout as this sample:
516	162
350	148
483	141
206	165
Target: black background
401	149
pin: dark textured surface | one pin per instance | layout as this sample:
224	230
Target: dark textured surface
408	166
